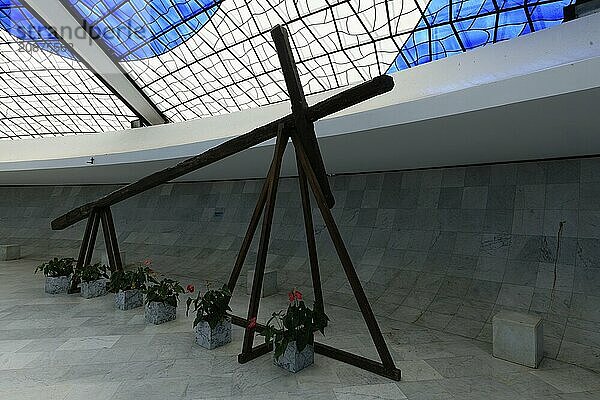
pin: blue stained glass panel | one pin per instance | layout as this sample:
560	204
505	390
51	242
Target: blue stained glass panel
20	23
477	23
139	29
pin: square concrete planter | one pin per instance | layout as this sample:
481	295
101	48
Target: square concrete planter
213	338
294	361
57	285
93	289
158	313
129	299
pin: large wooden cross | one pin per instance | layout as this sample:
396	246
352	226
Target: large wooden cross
299	127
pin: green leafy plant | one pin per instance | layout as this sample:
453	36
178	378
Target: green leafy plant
131	280
212	307
297	324
166	291
57	267
91	273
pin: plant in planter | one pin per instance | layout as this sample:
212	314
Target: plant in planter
212	324
161	301
292	332
94	279
129	286
58	274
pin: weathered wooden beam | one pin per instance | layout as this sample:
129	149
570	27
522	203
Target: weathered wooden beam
338	102
305	128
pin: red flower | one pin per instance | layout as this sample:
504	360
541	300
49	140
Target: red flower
190	288
252	323
147	262
297	295
291	296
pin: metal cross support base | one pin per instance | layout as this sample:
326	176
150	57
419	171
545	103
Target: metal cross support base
98	216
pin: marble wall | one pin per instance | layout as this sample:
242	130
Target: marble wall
443	248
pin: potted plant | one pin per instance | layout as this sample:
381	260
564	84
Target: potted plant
94	279
212	324
128	287
58	274
293	333
161	301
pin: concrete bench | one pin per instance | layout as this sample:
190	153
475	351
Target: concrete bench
518	338
10	252
269	283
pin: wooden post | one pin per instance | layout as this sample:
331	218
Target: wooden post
310	237
248	352
340	247
304	127
254	220
110	240
113	238
83	250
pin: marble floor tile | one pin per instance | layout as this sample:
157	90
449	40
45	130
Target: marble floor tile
417	370
384	391
68	348
89	343
95	391
16	360
570	380
12	346
49	392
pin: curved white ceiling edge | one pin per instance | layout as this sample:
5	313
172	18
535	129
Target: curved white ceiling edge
557	61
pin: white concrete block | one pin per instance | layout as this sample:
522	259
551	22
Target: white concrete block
518	338
10	252
269	283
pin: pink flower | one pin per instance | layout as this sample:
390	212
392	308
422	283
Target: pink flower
297	295
190	288
291	296
147	262
252	323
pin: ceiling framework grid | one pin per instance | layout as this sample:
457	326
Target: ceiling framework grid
198	58
74	34
44	94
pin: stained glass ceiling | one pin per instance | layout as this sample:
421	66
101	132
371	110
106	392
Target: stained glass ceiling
196	58
43	94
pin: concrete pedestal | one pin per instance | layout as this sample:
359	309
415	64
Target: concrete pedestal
269	283
518	338
210	338
10	252
295	361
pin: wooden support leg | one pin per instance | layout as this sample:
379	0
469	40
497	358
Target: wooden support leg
113	238
336	237
254	220
110	240
248	352
92	241
310	237
88	242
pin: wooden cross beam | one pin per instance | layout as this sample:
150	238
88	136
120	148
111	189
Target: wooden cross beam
338	102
